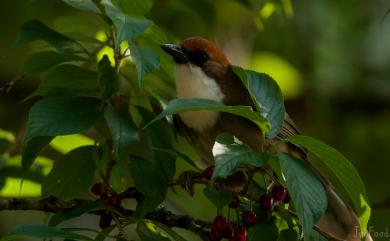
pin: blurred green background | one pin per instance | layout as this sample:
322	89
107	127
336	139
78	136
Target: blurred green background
330	57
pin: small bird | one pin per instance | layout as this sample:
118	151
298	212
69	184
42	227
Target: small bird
203	71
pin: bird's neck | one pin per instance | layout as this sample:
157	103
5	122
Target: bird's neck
192	82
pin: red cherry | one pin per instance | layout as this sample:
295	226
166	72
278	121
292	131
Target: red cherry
287	198
208	172
266	202
97	189
234	203
278	193
114	200
228	230
240	234
216	235
105	220
219	223
249	218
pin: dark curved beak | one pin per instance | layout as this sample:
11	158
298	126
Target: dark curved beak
176	51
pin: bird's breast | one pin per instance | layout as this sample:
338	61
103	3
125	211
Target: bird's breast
192	82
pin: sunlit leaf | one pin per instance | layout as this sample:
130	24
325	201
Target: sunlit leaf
182	105
36	30
72	175
84	5
267	95
148	232
229	155
65	144
306	191
344	171
43	61
127	27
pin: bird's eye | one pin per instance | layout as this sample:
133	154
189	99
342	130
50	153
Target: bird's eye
199	57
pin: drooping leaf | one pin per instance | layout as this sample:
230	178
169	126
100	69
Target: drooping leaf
147	232
31	149
69	80
150	181
182	105
84	5
127	27
108	78
41	231
45	60
267	95
123	130
60	217
306	191
72	175
145	60
36	30
61	116
229	153
134	7
343	170
218	198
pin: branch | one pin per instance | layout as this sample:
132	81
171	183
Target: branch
385	204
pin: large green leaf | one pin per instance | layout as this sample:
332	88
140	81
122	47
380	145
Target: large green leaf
36	30
150	181
61	116
72	175
231	153
343	170
306	191
181	105
69	80
44	60
127	27
145	60
41	231
134	7
267	95
84	5
218	198
31	149
108	78
123	130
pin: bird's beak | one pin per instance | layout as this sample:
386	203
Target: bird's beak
176	51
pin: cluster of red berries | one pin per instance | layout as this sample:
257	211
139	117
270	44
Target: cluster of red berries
222	228
278	194
112	199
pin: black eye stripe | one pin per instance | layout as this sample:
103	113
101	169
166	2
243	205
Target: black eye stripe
198	57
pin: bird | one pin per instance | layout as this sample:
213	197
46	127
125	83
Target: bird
201	70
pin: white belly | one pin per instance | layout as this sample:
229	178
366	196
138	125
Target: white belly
192	82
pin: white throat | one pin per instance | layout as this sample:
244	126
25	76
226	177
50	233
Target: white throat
192	82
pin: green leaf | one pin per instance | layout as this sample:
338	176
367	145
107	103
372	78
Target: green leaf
45	60
123	130
72	175
36	30
181	105
134	7
231	153
108	78
218	198
69	80
169	231
41	231
264	228
289	235
343	170
31	149
150	181
84	5
127	27
86	207
267	95
306	191
145	60
147	232
61	116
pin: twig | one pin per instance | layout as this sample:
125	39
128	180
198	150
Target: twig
385	204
